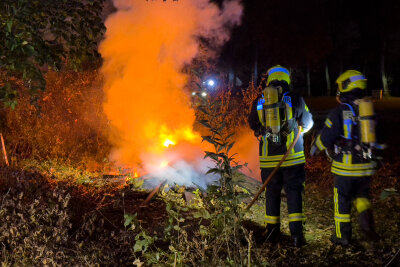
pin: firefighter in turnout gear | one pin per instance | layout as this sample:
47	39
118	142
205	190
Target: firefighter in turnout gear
274	118
349	133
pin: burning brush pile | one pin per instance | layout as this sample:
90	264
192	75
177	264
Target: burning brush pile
146	47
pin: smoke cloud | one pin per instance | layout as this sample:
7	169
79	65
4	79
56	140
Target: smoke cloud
246	147
147	44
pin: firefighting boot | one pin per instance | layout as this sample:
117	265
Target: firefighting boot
344	241
367	226
296	230
298	241
273	233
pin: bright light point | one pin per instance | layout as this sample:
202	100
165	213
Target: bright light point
204	94
136	175
193	93
164	164
168	142
211	83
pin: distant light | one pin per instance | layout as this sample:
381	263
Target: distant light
193	93
203	94
211	82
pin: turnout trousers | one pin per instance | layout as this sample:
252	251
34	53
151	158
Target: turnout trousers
348	190
292	179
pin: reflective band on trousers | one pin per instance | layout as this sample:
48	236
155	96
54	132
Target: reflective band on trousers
342	217
339	218
295	217
272	219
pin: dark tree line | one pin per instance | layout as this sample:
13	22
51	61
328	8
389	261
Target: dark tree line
318	39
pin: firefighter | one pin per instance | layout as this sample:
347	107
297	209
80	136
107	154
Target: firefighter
349	133
274	118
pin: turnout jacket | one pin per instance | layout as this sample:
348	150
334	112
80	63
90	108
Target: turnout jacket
270	153
341	134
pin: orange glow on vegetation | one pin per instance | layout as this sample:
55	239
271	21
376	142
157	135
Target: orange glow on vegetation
146	46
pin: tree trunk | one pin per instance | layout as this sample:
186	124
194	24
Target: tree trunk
308	81
328	80
386	91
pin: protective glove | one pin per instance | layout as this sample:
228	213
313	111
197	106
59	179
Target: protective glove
285	130
314	150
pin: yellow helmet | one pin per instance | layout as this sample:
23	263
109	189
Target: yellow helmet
278	73
350	80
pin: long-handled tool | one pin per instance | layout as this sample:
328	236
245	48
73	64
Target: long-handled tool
275	169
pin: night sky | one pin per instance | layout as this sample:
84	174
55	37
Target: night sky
314	34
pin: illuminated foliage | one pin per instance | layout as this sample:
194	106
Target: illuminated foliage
36	35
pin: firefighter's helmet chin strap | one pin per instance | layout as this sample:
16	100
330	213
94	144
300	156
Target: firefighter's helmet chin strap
342	99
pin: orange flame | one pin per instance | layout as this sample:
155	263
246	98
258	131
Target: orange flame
146	46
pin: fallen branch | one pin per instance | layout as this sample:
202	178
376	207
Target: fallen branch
392	258
4	149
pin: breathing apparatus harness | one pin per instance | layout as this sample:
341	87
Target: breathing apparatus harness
363	143
275	116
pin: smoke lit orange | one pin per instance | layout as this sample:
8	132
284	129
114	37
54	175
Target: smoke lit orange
146	46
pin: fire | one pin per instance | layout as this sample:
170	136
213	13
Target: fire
168	142
146	46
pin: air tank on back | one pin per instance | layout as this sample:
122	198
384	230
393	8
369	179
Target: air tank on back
271	112
367	121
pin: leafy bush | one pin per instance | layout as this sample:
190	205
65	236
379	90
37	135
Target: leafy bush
35	35
69	123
